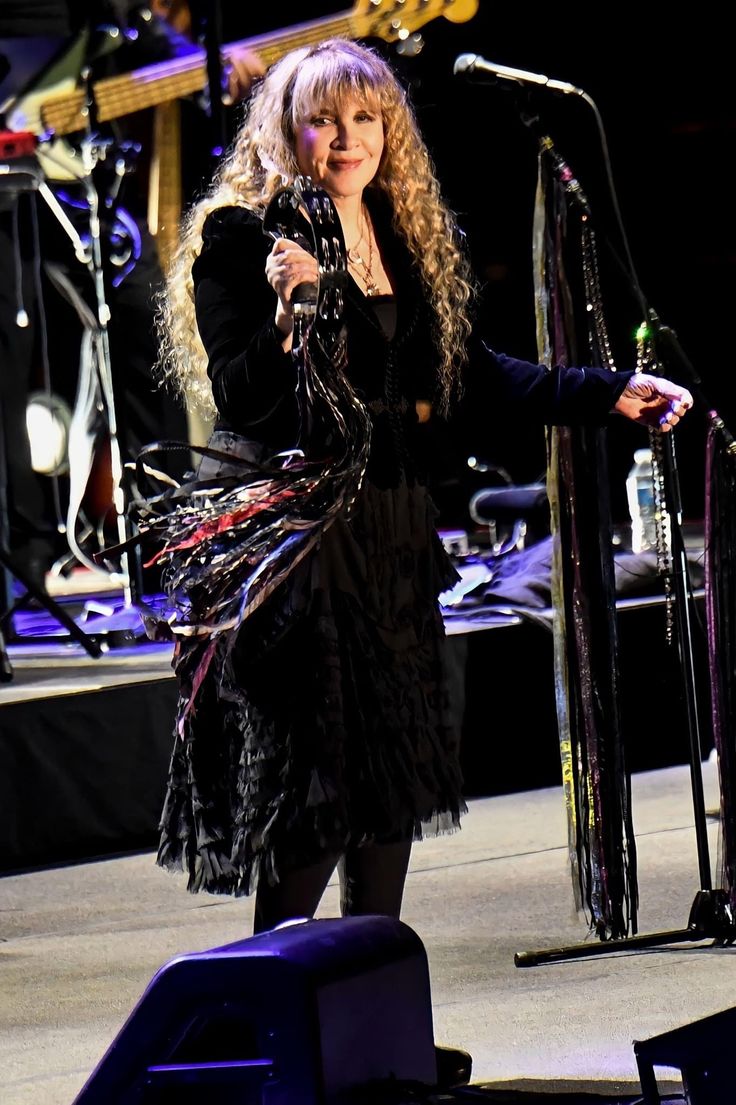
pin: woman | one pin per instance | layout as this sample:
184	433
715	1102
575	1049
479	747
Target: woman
322	736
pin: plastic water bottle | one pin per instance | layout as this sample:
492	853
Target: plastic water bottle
642	508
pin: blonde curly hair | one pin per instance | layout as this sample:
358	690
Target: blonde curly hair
262	160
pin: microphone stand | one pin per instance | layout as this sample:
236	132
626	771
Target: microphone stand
710	913
213	45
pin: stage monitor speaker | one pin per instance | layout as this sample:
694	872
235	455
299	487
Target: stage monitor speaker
308	1014
701	1051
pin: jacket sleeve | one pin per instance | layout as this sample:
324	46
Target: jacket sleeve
251	374
561	395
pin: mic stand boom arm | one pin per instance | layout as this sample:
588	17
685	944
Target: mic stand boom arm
213	46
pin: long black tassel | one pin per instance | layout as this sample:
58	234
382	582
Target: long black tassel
596	782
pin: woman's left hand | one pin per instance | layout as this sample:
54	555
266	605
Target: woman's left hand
653	401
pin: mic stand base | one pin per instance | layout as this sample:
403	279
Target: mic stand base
89	644
6	668
710	919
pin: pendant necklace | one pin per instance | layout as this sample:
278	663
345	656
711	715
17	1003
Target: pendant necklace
358	262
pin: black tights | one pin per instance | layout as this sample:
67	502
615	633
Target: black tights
371	881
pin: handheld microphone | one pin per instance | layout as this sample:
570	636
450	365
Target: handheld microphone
305	295
473	65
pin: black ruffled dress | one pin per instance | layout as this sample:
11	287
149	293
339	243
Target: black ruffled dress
327	724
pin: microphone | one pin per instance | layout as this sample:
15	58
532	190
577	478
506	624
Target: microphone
305	295
473	65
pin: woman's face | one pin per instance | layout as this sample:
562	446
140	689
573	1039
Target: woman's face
340	148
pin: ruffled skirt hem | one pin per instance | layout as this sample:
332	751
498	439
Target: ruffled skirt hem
325	723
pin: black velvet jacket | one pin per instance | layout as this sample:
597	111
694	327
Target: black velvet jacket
253	378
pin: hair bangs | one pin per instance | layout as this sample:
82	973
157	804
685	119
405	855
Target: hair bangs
329	80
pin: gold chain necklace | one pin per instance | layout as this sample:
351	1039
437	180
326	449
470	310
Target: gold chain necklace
363	268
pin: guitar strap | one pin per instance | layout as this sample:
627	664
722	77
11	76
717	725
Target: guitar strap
85	429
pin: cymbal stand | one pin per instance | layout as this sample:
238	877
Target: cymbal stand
91	149
24	175
95	321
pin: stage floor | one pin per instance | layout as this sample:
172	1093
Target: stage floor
80	943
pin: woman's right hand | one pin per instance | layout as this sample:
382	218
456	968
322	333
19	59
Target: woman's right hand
288	265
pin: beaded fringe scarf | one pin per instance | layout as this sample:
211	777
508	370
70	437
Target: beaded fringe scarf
571	330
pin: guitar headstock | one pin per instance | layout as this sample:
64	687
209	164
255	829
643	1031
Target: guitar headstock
395	20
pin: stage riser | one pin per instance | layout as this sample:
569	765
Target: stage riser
502	682
82	775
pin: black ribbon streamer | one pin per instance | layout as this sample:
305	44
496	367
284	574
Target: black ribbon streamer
230	537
